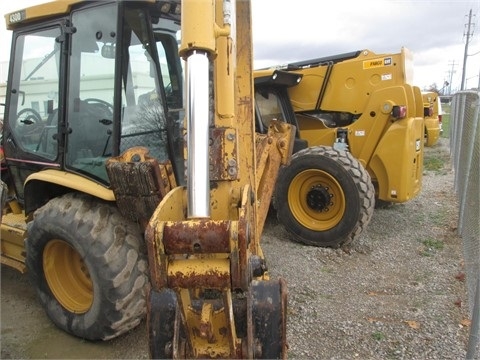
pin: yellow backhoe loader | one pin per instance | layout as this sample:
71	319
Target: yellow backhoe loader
133	181
432	111
360	131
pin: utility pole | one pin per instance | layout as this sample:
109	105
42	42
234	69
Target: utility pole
478	86
467	35
451	72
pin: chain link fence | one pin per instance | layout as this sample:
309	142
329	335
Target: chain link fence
465	154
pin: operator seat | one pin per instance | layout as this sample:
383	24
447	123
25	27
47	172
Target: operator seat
90	128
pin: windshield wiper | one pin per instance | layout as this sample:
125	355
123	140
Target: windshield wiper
45	59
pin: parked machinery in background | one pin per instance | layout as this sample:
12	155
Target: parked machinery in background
359	140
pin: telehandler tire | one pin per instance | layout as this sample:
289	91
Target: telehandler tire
88	266
324	197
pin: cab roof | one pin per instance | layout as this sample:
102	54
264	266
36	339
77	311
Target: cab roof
36	12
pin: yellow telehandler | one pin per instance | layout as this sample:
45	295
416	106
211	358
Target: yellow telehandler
359	141
131	186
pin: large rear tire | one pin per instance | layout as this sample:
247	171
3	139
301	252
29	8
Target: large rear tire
324	197
88	265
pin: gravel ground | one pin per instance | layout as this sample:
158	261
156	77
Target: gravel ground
398	294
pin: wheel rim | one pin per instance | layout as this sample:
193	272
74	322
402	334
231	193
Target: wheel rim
67	276
316	200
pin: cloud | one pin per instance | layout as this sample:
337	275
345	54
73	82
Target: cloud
287	31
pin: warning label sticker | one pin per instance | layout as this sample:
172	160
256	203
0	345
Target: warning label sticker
375	63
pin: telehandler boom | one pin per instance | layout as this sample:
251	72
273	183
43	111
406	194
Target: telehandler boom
132	189
359	140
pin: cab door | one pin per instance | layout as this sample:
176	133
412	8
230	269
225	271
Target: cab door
31	128
91	90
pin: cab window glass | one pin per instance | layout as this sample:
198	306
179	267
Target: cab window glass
268	107
144	120
91	90
32	118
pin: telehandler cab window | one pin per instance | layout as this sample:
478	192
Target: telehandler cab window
34	94
268	108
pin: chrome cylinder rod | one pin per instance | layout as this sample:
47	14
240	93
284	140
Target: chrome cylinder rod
198	179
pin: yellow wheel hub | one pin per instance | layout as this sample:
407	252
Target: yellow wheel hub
67	276
316	200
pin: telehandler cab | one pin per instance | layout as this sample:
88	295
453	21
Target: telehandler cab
133	189
360	131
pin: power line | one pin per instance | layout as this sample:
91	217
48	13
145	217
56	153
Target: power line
468	34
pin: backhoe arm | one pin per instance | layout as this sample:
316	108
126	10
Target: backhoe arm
211	297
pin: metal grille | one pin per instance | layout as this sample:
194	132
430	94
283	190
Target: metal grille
465	153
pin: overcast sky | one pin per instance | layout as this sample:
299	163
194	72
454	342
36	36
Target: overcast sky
293	30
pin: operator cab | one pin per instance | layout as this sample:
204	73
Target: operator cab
89	85
272	102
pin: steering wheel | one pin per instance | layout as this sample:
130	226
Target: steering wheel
100	104
28	116
28	122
